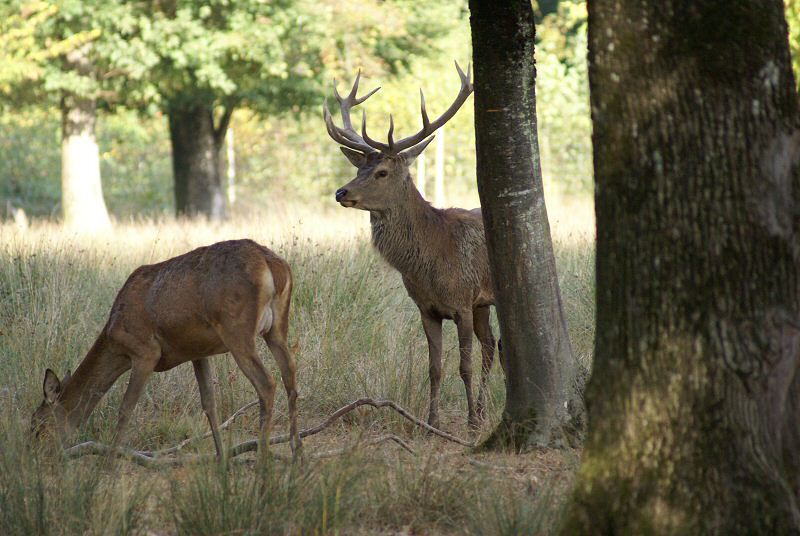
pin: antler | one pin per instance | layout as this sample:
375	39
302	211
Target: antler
347	136
428	126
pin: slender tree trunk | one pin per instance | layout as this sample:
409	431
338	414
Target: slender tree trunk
196	146
693	400
536	353
82	204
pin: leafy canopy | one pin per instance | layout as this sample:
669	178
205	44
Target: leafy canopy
22	56
793	18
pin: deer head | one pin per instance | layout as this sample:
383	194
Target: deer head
51	416
383	180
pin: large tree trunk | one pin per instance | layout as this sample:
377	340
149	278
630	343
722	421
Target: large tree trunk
536	354
196	145
693	400
82	204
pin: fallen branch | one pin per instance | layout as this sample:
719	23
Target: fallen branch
379	403
375	441
135	456
161	457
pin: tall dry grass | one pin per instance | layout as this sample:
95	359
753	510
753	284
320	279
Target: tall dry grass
356	333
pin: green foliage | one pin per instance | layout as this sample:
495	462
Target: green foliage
29	162
134	159
793	18
270	56
22	56
290	156
60	31
259	53
562	91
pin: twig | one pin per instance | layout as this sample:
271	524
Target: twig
478	463
379	403
135	456
160	458
140	458
374	441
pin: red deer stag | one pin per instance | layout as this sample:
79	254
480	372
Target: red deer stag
208	301
441	254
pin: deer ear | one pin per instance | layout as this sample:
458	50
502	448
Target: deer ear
356	158
51	386
67	376
411	154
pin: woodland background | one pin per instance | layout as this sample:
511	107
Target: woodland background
354	330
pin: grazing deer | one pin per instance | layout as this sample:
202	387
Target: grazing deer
208	301
441	254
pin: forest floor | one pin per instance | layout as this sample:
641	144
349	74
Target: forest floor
355	333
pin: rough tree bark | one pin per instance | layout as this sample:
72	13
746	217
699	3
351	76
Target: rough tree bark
694	396
82	204
196	145
536	355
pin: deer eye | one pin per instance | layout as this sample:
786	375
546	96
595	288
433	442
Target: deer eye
381	174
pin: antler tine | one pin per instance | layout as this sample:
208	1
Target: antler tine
465	78
428	127
354	89
426	123
347	136
391	132
365	97
384	148
343	136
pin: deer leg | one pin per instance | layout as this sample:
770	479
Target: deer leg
464	325
276	339
202	372
483	330
140	373
246	357
433	332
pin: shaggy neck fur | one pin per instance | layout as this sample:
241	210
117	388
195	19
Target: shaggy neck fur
400	232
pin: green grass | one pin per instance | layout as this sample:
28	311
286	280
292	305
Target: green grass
356	334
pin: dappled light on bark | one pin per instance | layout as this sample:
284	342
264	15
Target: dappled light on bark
693	399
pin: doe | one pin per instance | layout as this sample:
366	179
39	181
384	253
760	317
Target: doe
208	301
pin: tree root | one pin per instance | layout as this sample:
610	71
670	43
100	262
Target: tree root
166	458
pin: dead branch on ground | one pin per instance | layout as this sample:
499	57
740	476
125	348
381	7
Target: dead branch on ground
164	458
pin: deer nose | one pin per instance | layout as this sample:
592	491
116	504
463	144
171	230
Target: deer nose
340	193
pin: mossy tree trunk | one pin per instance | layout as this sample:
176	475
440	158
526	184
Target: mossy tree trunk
694	397
536	355
196	145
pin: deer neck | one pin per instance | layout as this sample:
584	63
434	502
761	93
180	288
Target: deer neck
93	378
400	233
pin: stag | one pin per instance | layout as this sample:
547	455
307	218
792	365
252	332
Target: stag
441	254
208	301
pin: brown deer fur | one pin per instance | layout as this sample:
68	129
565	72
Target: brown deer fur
208	301
441	254
442	257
